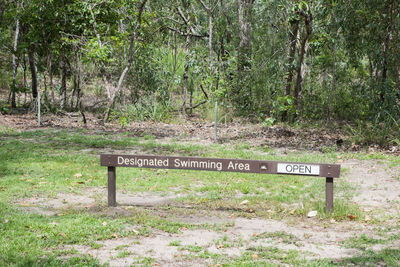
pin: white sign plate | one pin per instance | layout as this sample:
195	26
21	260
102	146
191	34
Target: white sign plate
291	168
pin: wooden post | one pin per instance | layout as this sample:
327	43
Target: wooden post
112	194
329	194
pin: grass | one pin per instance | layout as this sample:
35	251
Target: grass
281	236
43	163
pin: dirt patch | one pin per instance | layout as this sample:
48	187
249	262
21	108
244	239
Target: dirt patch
376	185
91	197
311	239
165	248
198	131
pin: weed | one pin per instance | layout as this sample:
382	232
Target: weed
175	243
280	235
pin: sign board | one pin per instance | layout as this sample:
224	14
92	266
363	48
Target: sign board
300	169
218	164
329	171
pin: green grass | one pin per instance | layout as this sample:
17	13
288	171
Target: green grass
281	236
386	257
43	163
175	243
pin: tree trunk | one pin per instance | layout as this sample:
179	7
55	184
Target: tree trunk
386	48
130	60
31	59
242	94
63	80
14	65
74	78
210	35
185	72
49	64
191	94
292	53
333	88
298	90
244	51
79	80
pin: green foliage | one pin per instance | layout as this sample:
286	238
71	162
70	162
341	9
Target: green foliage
142	111
377	132
350	68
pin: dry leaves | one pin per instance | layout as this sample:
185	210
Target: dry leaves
352	217
114	235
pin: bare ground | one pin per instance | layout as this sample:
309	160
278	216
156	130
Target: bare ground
195	130
377	193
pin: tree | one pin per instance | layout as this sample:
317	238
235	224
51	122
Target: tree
242	92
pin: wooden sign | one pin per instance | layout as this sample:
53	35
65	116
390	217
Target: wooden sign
329	171
218	164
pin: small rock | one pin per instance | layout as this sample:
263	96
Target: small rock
244	202
312	213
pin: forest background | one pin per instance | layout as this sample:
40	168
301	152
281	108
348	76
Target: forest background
271	61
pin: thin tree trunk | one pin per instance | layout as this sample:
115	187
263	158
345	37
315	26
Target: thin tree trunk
386	47
185	73
175	51
292	53
333	88
191	94
24	68
31	59
242	94
49	65
14	64
79	81
63	80
210	35
74	78
130	60
301	64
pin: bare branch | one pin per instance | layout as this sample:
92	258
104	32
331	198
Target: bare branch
204	5
182	15
174	20
193	34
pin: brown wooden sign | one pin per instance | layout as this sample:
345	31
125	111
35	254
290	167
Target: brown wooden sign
224	165
329	171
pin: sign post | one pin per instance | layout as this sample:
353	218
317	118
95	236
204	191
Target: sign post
329	171
112	186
